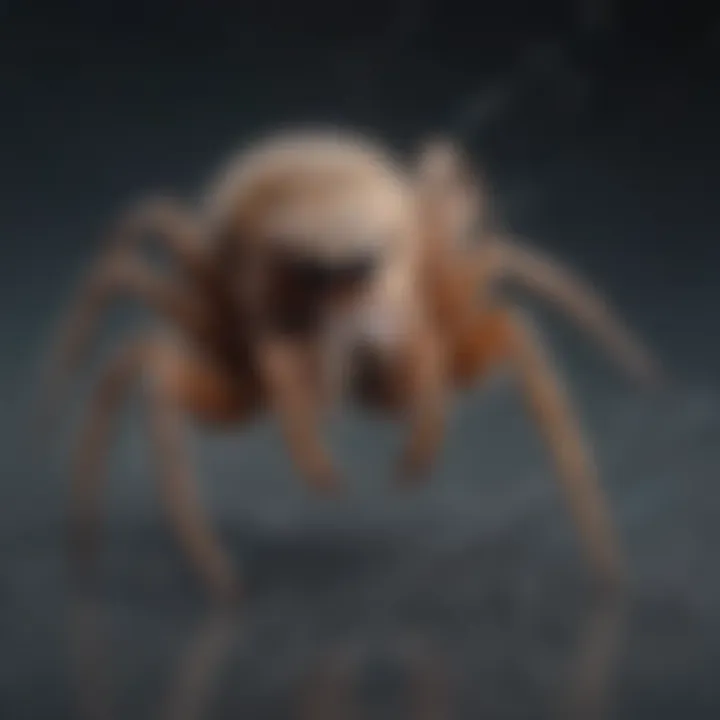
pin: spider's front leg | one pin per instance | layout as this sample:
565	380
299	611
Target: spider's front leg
421	367
503	338
286	368
551	409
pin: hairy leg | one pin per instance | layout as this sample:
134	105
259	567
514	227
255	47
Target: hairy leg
175	383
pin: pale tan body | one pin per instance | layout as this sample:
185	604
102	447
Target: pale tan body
329	197
225	375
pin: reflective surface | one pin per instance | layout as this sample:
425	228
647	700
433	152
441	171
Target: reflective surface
396	656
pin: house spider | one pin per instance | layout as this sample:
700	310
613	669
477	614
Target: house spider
318	266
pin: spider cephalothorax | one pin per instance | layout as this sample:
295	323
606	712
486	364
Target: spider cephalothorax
316	213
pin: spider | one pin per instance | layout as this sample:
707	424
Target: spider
318	265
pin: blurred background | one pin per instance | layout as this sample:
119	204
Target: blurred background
596	123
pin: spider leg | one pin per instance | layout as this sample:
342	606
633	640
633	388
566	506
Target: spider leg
94	440
422	368
549	405
296	401
114	277
459	197
175	383
116	272
504	259
169	225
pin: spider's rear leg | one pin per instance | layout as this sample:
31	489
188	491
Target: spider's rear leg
505	338
169	225
119	270
175	383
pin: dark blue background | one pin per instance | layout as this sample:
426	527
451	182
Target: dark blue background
601	142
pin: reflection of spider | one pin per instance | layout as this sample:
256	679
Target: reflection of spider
304	242
332	689
429	681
